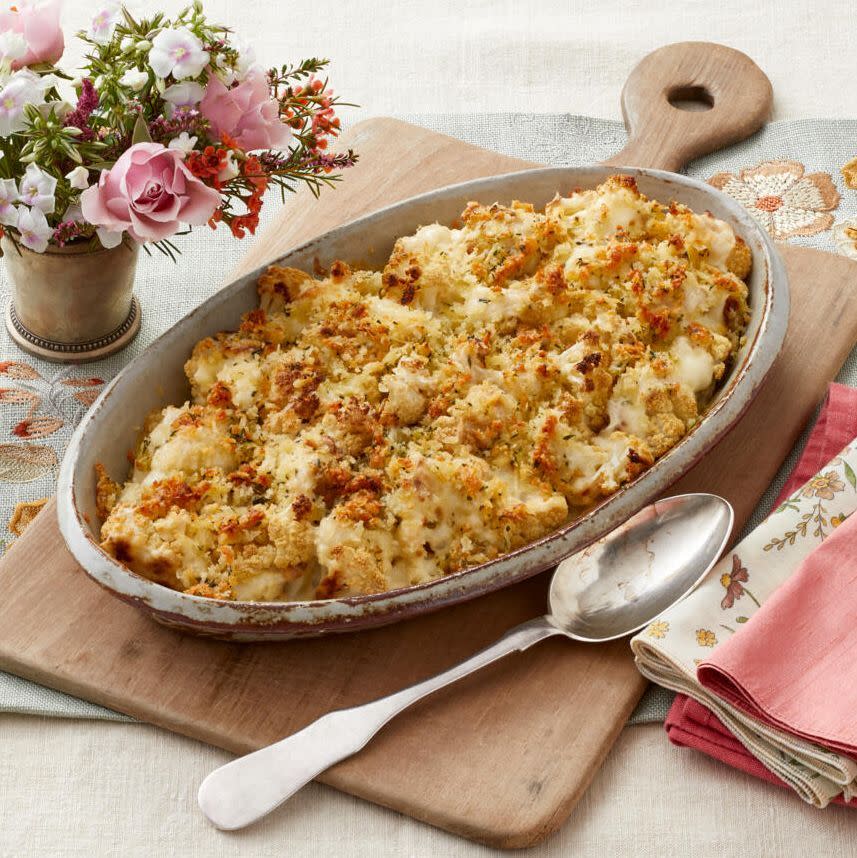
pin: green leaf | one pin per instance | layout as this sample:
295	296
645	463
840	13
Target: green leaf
141	132
741	619
850	475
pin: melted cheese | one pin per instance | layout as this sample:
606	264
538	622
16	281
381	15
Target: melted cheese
373	430
694	365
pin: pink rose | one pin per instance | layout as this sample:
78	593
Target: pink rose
246	112
149	192
38	22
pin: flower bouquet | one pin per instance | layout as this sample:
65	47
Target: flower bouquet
170	124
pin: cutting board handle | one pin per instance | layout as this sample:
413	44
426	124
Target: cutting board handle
735	93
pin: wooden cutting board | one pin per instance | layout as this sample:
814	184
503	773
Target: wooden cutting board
501	757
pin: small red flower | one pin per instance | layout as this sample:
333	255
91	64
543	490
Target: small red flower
206	165
254	172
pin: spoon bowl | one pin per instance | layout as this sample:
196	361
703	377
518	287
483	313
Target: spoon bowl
620	583
612	588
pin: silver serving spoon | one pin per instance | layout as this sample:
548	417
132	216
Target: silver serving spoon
614	587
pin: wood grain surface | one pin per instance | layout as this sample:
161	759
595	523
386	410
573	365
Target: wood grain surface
501	757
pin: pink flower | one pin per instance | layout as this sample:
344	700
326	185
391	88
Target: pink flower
149	192
38	21
246	112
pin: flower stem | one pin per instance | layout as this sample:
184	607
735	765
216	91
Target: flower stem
752	597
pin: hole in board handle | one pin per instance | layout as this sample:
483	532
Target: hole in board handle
694	99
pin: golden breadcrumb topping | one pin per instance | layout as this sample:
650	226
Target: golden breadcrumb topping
374	430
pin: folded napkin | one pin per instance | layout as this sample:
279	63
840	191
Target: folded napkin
690	725
740	724
794	666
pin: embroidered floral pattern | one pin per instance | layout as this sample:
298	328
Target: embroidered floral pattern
16	369
658	629
845	237
849	173
23	515
21	463
33	408
89	389
782	197
705	637
39	394
37	427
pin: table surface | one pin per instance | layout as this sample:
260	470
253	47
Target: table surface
91	788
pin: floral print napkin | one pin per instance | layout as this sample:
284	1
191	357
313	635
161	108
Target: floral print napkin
670	649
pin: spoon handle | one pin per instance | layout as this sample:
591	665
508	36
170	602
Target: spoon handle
252	786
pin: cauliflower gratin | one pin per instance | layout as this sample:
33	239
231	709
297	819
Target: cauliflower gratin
378	429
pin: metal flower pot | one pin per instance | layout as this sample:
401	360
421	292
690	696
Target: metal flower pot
72	304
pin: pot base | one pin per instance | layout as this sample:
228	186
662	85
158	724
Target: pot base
57	352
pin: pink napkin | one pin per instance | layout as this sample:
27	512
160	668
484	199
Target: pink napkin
794	666
790	666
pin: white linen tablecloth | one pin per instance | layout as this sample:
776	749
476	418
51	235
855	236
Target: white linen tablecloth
70	788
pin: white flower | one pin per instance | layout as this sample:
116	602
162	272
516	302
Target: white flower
13	46
34	229
187	94
101	28
8	197
37	189
178	52
78	178
184	143
230	169
244	63
22	88
134	79
246	59
108	238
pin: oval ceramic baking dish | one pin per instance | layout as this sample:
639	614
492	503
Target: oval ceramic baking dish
156	378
